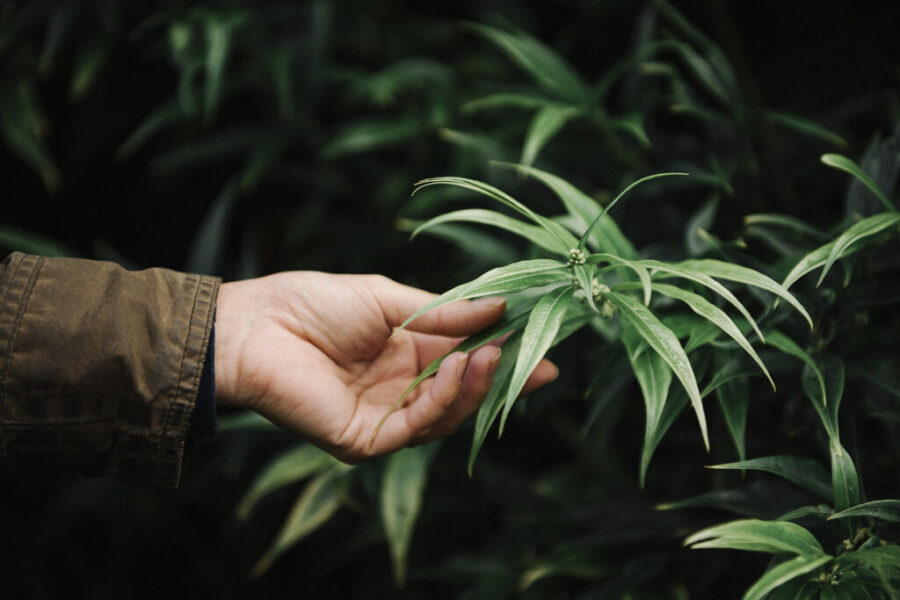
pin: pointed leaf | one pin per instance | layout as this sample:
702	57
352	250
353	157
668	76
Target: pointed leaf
783	573
677	270
292	466
733	272
844	479
664	342
825	393
506	100
804	126
586	236
774	537
318	502
502	280
843	163
883	510
654	378
496	398
539	61
402	487
530	232
540	331
734	399
804	472
606	236
566	239
792	224
716	315
546	123
860	231
820	510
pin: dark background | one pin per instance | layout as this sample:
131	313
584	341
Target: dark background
165	203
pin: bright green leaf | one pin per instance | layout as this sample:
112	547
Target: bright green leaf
843	163
784	572
844	479
733	272
502	280
540	332
482	216
716	315
883	510
664	342
773	537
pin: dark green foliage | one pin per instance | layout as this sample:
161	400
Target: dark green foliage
240	139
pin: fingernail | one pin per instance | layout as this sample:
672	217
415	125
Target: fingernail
490	302
495	360
461	366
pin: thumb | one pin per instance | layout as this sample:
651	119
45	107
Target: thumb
399	302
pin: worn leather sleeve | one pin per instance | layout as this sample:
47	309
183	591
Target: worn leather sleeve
99	366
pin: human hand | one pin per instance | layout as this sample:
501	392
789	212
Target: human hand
313	353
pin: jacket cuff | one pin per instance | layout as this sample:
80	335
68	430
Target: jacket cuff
100	367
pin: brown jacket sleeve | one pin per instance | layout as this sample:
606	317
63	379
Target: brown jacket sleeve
99	366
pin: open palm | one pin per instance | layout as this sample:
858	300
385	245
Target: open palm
313	352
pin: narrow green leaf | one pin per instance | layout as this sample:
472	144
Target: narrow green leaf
781	342
883	510
540	332
736	501
733	272
804	472
546	123
530	232
484	247
606	236
640	270
290	467
514	319
844	479
728	373
586	236
566	239
843	163
207	250
496	398
502	280
803	126
860	231
218	32
826	400
316	504
654	378
882	557
716	315
677	270
402	487
543	64
372	134
734	400
166	115
792	224
506	100
773	537
783	573
664	342
820	510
